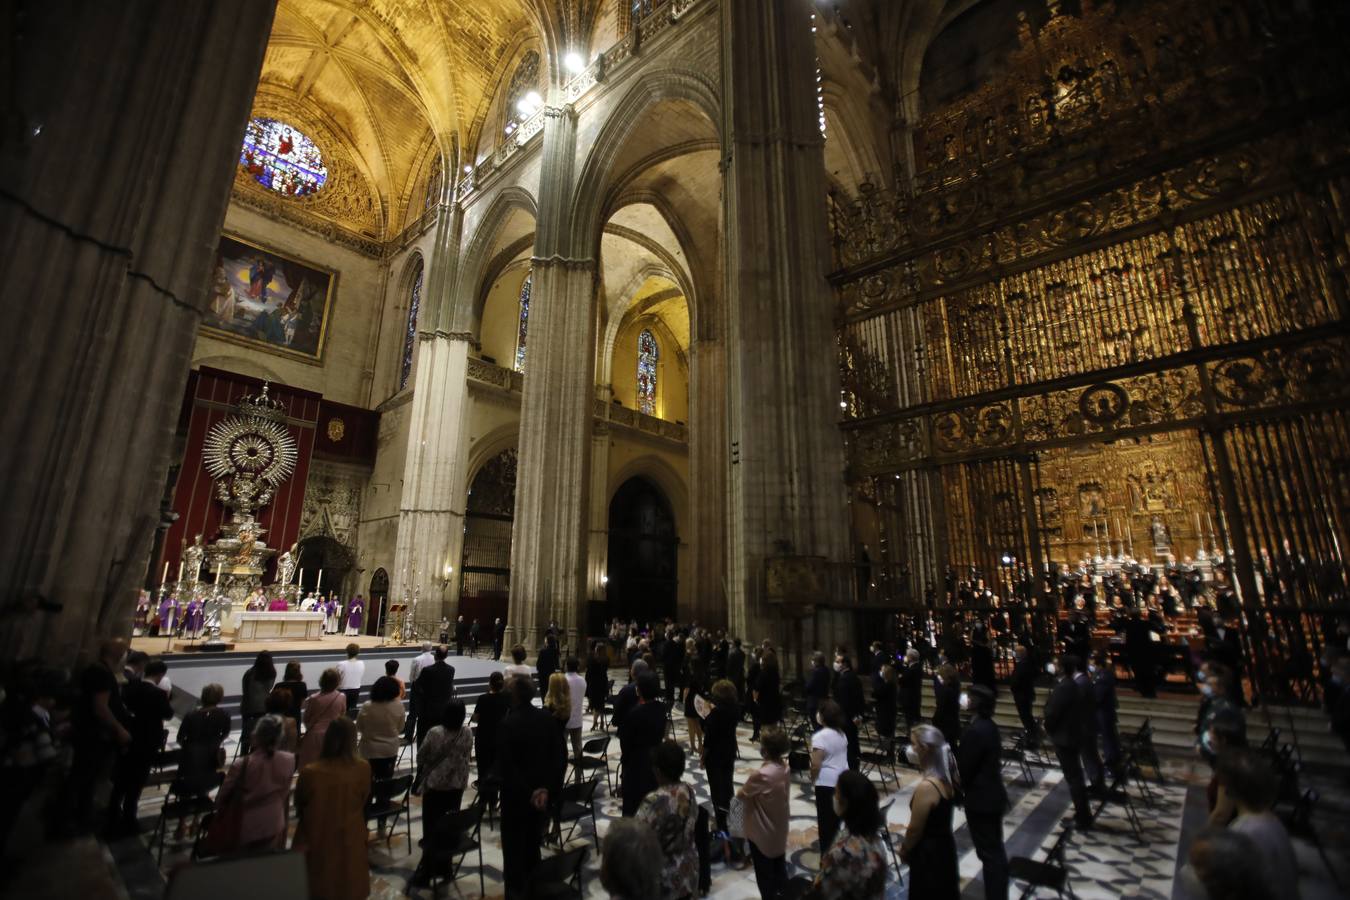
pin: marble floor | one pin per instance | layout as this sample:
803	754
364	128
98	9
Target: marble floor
1108	862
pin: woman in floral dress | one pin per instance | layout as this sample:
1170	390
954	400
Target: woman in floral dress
854	868
671	812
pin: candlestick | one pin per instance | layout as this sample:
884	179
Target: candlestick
165	577
180	570
301	580
319	584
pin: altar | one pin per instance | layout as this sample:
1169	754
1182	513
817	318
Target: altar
269	626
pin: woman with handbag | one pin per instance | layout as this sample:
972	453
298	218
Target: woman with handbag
251	806
320	711
761	805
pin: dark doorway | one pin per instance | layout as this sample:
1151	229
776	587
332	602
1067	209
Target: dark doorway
643	545
485	568
379	596
323	553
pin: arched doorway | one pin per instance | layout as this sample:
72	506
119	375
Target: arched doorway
379	596
485	568
323	553
643	545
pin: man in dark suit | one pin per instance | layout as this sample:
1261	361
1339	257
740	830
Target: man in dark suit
736	668
752	670
435	688
547	663
498	638
848	693
817	687
1087	726
1064	726
148	706
530	775
672	661
1139	650
980	762
461	635
642	730
1104	693
1023	686
911	688
627	698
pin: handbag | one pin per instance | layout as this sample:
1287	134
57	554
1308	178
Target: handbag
736	818
223	833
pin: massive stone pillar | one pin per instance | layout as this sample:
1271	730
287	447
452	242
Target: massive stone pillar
787	492
123	127
708	479
597	550
548	548
435	476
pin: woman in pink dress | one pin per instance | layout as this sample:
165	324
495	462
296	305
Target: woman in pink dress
262	782
319	712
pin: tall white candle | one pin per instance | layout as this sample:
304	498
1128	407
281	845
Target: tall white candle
180	570
165	577
301	579
318	585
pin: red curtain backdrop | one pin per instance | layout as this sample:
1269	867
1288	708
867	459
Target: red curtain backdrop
212	396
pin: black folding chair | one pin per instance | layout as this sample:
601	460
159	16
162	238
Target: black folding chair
1052	872
1140	746
880	761
890	838
448	842
179	808
1118	794
577	802
594	755
558	877
389	797
1017	754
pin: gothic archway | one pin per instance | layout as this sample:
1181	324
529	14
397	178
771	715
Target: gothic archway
379	596
643	547
323	553
485	567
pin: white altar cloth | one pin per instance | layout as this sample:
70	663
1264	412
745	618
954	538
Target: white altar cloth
265	626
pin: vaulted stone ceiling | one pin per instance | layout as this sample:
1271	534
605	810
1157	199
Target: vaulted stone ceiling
387	77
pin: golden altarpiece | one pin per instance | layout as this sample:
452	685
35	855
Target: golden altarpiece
1108	314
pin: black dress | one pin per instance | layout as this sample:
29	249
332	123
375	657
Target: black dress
597	683
947	711
933	873
883	696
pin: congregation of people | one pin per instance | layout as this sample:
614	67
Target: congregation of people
321	756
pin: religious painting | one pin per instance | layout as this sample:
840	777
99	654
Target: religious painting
261	298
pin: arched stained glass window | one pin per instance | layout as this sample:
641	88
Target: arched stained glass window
282	158
410	332
524	321
647	357
639	10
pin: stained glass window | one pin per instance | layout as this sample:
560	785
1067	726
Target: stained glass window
639	8
410	332
524	321
647	356
282	158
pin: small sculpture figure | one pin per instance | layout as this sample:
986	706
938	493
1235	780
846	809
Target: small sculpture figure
192	560
286	567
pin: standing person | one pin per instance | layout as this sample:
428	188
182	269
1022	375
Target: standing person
1087	723
547	663
768	691
518	668
294	682
854	867
980	763
576	687
461	635
330	799
320	711
929	846
911	689
736	667
1248	786
630	863
558	704
719	747
435	687
380	725
263	780
1023	687
1063	725
765	794
488	713
279	704
148	708
391	671
695	688
353	674
1104	693
672	664
444	763
498	638
947	703
258	682
884	695
529	779
671	811
1139	651
829	760
597	682
817	686
201	735
848	693
982	658
420	662
473	638
640	732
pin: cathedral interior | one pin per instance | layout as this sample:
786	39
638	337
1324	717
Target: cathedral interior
812	321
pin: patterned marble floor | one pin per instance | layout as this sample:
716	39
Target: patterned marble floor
1106	863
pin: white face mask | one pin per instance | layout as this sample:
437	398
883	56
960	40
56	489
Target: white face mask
1092	670
1050	668
911	756
839	667
1207	690
965	700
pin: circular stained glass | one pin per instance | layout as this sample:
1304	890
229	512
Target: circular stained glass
282	158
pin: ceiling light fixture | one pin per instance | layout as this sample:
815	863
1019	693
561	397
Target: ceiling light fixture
574	63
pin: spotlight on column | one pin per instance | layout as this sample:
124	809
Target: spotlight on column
604	579
1007	559
574	62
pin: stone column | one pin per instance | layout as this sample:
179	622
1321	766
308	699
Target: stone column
597	551
548	547
787	492
707	533
435	470
122	137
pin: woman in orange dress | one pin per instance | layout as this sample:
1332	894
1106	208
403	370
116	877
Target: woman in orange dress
319	711
330	799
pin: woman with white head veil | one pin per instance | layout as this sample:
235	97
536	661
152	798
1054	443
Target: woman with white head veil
929	847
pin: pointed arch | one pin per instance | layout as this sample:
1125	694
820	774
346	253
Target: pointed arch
475	275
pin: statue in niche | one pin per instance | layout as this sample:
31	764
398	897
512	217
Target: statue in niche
286	566
1153	490
1091	502
1162	541
192	560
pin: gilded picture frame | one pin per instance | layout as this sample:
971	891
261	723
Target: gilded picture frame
269	300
